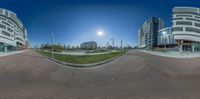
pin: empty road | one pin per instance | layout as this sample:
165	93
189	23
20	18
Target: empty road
136	75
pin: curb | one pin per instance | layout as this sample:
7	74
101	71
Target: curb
83	65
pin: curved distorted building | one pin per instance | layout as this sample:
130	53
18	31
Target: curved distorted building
186	28
13	35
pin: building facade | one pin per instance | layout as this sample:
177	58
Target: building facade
13	35
186	28
166	38
140	34
89	45
148	33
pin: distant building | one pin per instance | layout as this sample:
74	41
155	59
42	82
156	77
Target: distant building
89	45
186	28
148	33
166	38
13	35
140	35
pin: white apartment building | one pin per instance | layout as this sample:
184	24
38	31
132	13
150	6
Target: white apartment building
13	35
186	28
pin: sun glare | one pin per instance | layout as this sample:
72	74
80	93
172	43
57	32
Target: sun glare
100	33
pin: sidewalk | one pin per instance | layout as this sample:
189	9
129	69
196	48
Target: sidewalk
2	54
174	54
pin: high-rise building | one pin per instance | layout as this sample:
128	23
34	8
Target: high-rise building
140	34
148	33
13	35
186	28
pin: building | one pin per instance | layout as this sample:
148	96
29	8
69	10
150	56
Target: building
186	28
166	38
13	35
140	35
148	33
89	45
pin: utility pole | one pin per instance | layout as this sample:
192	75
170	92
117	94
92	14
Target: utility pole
113	43
165	43
121	44
52	55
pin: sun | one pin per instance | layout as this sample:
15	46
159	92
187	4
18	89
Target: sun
100	33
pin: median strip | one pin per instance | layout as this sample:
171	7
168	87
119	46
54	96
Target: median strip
83	60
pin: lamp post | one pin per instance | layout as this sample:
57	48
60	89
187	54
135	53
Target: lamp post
165	43
121	44
52	55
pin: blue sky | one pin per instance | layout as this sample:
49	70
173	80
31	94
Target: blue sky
76	21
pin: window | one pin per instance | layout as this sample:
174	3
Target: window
177	18
183	23
178	29
6	33
190	29
193	13
19	39
2	26
183	15
9	29
10	22
197	24
191	19
197	17
5	23
2	19
188	35
1	11
185	10
6	13
12	15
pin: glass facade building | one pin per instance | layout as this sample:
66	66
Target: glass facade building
13	35
165	37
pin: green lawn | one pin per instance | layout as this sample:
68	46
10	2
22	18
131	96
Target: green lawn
83	59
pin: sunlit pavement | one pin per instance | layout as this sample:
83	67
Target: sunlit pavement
136	75
174	54
2	54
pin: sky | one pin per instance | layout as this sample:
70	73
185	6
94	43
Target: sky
77	21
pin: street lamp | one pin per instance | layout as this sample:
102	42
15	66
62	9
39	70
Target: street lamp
52	55
121	44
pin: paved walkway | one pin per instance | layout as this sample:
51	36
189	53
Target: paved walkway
136	75
11	53
174	54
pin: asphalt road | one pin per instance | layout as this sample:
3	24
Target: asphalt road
136	75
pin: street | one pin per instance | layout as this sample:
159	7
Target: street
136	75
